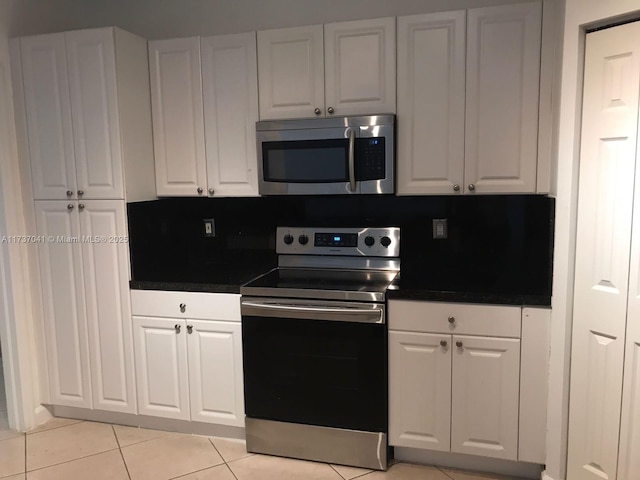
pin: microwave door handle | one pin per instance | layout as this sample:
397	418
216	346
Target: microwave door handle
352	167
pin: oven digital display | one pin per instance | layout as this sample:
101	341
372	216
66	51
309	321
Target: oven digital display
336	240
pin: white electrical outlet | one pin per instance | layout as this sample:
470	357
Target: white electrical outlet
209	227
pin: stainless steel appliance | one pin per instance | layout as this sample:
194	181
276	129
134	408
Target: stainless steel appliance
315	346
341	155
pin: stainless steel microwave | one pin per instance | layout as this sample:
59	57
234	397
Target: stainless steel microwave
327	156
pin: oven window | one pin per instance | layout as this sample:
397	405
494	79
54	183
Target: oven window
314	372
306	161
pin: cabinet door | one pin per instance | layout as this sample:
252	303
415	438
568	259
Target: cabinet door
485	395
419	390
94	106
48	112
431	71
178	124
160	346
230	84
503	70
291	72
360	67
215	372
105	259
63	302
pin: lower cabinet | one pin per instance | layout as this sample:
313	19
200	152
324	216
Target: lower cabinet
189	369
455	378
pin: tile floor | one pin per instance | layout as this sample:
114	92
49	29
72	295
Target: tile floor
65	449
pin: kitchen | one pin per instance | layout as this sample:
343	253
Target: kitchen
441	211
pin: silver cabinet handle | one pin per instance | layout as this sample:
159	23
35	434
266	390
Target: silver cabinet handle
352	161
472	187
69	193
81	206
456	188
183	307
70	206
459	344
189	329
211	191
330	110
317	111
200	190
443	343
80	193
451	320
177	328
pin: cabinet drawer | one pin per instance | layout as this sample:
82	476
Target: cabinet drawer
197	305
466	319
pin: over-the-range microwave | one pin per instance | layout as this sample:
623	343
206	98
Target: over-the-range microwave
328	156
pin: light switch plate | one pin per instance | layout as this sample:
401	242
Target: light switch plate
209	227
440	229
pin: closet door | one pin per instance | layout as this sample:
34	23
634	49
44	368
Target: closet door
605	204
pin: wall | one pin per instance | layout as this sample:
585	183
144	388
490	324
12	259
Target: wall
578	14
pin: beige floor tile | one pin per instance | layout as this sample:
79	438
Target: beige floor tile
20	476
264	467
104	466
5	433
169	457
466	475
12	456
403	471
55	422
132	435
221	472
230	449
349	472
72	442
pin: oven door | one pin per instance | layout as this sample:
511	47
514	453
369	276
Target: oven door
315	363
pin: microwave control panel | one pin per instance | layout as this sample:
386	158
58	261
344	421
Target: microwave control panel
370	242
370	161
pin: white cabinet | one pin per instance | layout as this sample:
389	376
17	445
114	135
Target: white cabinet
205	105
86	97
468	100
345	68
452	389
85	269
189	364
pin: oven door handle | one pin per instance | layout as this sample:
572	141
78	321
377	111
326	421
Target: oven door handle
374	314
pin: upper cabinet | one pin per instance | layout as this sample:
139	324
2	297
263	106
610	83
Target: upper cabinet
88	115
345	68
204	94
478	138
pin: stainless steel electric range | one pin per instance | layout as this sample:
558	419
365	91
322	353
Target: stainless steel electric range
315	346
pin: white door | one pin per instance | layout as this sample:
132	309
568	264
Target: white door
160	346
48	112
291	72
105	257
178	124
360	67
605	209
94	106
419	390
503	76
230	87
63	303
485	396
215	372
431	112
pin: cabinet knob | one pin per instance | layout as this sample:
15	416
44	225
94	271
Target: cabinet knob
317	111
69	193
183	307
459	344
70	206
472	187
189	329
177	328
81	206
211	191
451	320
456	188
80	193
200	190
330	110
443	343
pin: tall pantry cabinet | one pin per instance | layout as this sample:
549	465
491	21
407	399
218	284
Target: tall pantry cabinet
88	131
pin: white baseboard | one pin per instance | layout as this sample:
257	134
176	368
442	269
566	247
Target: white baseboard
42	415
546	476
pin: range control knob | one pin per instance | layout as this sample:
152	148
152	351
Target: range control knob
385	241
303	239
288	239
369	241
